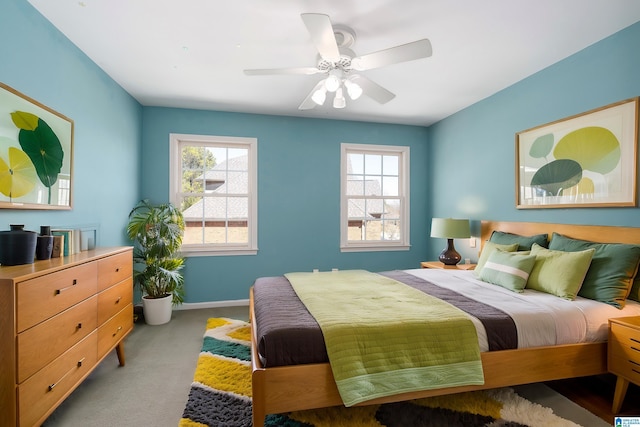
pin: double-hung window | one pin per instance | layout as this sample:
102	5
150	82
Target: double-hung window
374	204
214	182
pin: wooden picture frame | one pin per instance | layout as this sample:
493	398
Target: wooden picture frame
587	160
36	154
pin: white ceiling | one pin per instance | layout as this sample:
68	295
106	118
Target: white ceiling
191	53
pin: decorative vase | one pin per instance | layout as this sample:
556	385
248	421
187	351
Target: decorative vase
44	246
17	246
157	311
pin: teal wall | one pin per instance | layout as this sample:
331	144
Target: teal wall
472	153
43	64
298	194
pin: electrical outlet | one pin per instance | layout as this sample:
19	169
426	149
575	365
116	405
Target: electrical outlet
472	242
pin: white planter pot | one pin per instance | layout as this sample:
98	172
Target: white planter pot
157	311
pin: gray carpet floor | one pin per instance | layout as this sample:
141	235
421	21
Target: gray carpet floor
151	390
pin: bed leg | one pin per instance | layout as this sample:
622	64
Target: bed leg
257	399
258	417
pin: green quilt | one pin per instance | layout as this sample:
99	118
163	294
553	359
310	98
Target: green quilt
384	337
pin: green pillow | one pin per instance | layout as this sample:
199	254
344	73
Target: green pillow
508	269
559	273
634	294
524	242
488	248
612	269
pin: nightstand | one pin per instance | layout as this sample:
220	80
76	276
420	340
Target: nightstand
624	355
438	264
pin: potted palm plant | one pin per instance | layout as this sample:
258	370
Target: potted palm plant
156	232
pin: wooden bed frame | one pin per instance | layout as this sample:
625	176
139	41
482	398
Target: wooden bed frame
291	388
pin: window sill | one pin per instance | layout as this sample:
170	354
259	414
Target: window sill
188	253
375	248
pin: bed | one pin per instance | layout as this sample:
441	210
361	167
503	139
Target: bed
279	389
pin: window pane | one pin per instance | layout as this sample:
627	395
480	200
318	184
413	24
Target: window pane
372	186
392	209
355	163
356	209
373	230
390	230
355	186
390	165
373	164
390	186
235	153
238	182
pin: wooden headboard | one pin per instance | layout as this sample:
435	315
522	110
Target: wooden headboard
595	233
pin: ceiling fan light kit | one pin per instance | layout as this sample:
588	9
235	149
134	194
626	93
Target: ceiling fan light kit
337	61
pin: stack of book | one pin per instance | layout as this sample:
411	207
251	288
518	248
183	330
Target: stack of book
73	240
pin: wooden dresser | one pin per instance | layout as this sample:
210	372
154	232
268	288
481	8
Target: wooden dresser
58	319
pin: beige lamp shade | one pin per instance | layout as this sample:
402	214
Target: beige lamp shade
449	228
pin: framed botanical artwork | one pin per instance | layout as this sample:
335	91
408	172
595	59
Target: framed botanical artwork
36	154
587	160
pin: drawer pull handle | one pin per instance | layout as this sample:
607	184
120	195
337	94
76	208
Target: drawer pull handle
118	300
117	270
633	362
635	348
79	364
636	371
635	340
117	330
79	325
59	291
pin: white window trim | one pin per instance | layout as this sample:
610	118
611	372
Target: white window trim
175	141
373	246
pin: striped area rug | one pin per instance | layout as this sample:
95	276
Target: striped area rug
221	396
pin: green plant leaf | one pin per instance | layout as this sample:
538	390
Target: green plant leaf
596	149
157	232
24	120
41	145
542	146
18	177
556	176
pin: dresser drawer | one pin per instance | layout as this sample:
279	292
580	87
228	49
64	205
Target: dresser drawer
625	367
622	336
114	269
42	297
114	330
46	341
41	392
114	299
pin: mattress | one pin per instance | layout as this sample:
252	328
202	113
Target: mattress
287	334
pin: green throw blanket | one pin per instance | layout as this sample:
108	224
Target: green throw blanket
384	337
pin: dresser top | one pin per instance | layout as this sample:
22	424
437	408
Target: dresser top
26	271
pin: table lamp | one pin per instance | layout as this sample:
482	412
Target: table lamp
449	228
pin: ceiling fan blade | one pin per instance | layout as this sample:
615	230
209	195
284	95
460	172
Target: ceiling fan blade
406	52
309	103
321	30
272	71
374	90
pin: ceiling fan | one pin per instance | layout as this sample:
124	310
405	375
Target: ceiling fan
340	64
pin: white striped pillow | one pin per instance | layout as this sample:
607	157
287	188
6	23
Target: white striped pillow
508	269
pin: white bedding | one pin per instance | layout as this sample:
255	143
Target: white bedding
541	319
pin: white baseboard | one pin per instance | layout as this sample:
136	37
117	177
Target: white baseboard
212	304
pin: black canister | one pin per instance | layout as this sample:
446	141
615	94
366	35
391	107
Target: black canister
44	246
17	246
